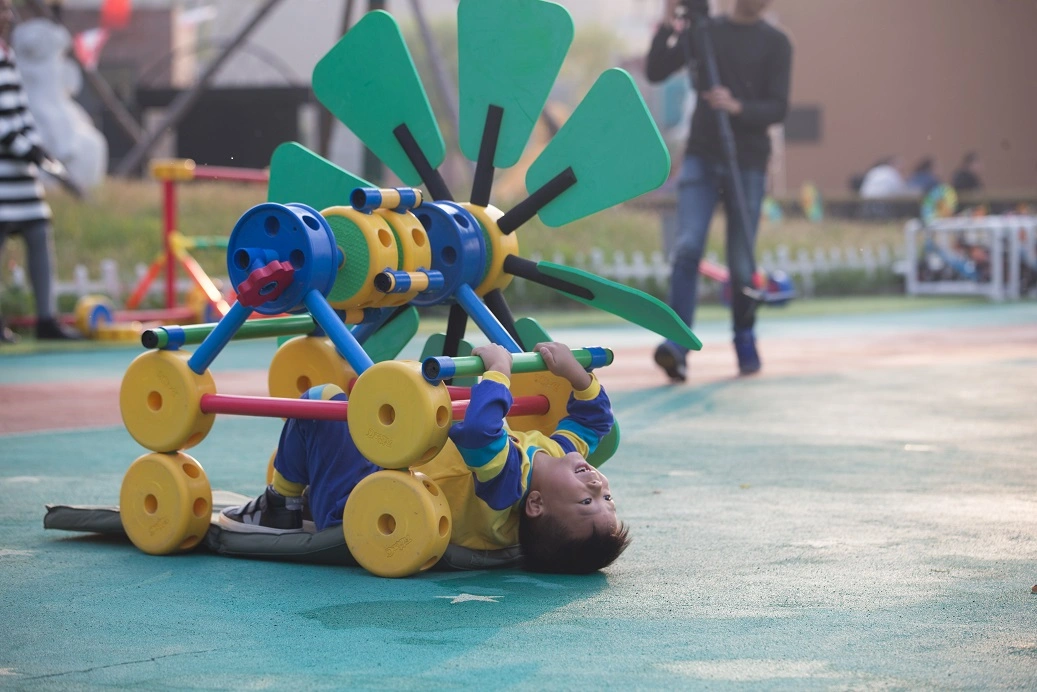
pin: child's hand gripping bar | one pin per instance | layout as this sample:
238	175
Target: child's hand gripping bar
439	368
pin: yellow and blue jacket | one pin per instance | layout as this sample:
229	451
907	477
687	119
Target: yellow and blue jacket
485	468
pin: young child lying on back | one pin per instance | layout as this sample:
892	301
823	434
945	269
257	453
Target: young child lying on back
503	487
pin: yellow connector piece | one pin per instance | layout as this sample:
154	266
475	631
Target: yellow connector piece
172	169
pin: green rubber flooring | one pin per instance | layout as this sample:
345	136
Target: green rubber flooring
874	529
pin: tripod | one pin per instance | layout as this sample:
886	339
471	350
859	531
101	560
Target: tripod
698	16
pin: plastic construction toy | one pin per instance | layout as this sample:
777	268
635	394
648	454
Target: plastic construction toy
350	263
510	53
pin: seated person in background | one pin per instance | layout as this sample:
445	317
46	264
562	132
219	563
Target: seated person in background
924	179
886	180
503	487
966	178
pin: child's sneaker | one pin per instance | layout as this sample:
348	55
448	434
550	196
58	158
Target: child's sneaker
745	347
271	512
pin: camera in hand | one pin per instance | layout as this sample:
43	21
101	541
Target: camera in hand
694	9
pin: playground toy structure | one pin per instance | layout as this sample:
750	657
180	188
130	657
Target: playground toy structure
350	272
96	316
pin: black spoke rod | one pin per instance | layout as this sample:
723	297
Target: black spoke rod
456	324
527	269
429	175
502	311
528	208
487	151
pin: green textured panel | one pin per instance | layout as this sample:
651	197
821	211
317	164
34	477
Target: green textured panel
353	274
434	347
509	54
299	175
530	334
393	336
632	305
613	146
368	80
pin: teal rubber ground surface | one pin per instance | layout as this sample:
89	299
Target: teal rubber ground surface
861	524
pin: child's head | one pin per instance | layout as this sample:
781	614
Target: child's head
569	523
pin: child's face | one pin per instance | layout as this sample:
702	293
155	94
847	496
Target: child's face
576	493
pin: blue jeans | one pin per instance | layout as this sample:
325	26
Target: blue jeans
700	186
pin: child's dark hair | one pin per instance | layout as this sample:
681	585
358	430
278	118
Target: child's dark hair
547	546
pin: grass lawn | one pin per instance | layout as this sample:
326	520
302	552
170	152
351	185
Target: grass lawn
122	221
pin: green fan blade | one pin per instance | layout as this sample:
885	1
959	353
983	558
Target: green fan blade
369	82
393	336
632	305
434	347
530	334
613	146
299	175
509	54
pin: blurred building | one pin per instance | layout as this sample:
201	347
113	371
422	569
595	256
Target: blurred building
911	77
870	77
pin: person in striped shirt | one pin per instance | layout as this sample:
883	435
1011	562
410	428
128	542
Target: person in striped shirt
504	487
23	208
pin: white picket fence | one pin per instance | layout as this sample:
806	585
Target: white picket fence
110	281
638	269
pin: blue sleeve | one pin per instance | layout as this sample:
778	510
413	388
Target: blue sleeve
588	419
499	465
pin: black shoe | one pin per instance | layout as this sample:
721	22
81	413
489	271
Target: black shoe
6	335
308	524
50	329
745	348
670	360
268	513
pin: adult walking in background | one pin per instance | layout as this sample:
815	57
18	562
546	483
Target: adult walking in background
23	209
754	61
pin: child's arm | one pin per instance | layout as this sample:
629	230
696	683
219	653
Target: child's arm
499	465
589	412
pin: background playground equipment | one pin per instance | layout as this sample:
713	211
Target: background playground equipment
995	256
97	317
176	246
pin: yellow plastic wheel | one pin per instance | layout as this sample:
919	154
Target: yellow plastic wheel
413	246
93	311
368	247
119	331
397	523
498	246
305	361
556	389
396	418
165	503
160	401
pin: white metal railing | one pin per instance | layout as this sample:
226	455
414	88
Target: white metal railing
970	256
